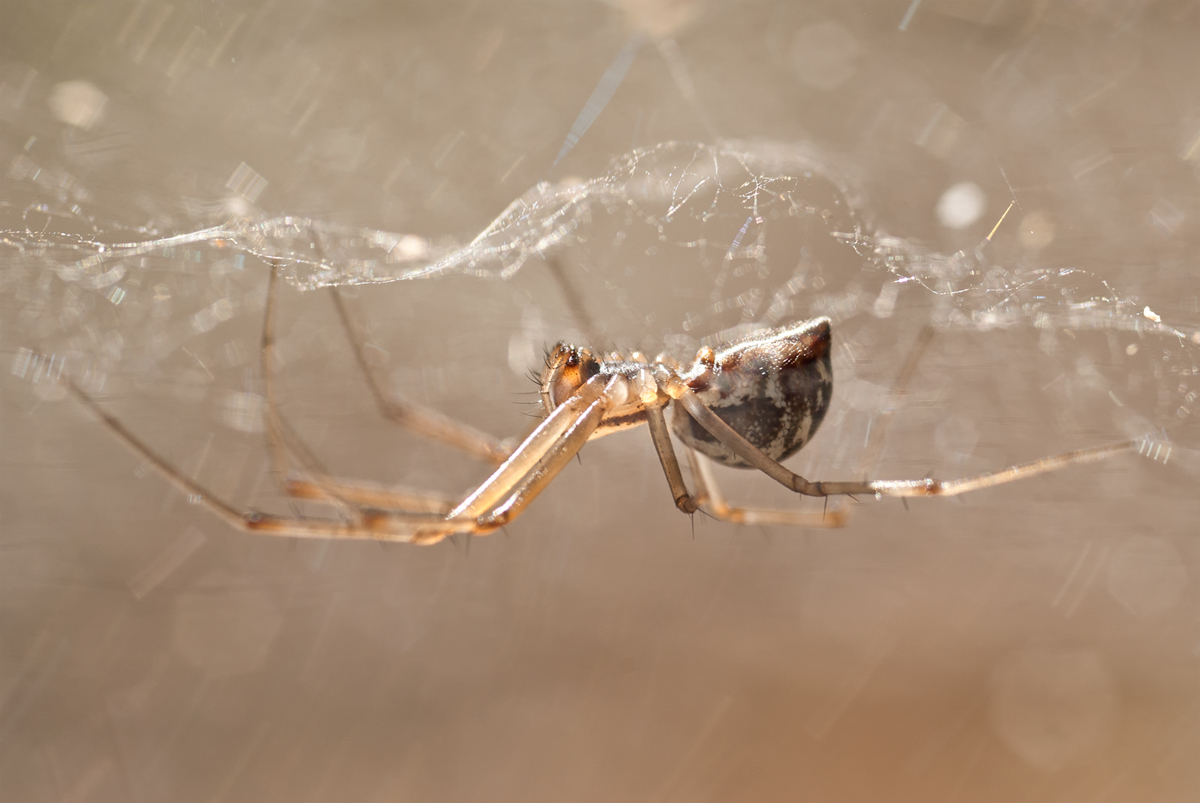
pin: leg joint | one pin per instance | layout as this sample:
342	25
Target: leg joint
686	503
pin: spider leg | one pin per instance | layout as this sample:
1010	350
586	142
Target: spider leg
923	487
713	503
708	498
196	492
547	450
497	501
369	494
370	524
421	420
661	436
573	298
875	442
283	443
502	496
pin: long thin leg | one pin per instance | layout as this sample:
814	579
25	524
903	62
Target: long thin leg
251	521
421	420
504	495
553	459
497	501
661	436
196	492
574	299
369	494
525	460
923	487
282	440
715	504
709	498
883	421
316	483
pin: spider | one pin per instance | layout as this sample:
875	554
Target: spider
751	404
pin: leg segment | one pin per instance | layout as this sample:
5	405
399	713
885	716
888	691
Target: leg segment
878	434
923	487
709	497
283	443
714	504
421	420
661	435
573	298
497	501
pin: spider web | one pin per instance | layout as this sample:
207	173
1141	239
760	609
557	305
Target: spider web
744	235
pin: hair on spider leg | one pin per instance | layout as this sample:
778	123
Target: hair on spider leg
528	403
702	511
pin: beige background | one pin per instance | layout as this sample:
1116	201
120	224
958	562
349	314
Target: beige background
1033	642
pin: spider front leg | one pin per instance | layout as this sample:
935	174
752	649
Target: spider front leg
506	493
497	501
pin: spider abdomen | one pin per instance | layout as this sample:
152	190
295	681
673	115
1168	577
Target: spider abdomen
772	388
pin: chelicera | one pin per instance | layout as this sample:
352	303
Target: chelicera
751	404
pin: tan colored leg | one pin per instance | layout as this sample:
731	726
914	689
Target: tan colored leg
713	503
497	501
574	300
661	435
314	482
883	421
708	496
421	420
923	487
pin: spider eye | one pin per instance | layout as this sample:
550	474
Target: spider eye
573	360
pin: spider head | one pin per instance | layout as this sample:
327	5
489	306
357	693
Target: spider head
567	368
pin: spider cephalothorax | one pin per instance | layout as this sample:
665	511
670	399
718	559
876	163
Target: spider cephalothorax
569	367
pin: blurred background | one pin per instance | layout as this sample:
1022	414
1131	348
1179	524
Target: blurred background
1022	175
